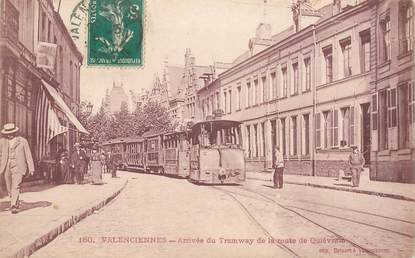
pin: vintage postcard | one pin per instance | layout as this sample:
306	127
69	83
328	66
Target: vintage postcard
221	128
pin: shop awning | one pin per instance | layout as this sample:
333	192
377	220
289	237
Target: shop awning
62	105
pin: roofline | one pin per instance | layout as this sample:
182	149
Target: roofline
291	37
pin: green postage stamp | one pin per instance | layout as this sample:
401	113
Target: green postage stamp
115	32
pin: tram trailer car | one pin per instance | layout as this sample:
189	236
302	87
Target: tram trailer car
216	154
176	154
134	154
153	153
117	149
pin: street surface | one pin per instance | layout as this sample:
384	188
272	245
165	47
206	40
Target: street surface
158	216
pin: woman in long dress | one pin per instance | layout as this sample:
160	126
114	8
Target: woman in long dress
96	168
65	170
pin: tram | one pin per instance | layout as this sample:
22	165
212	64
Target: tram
117	149
208	153
176	154
216	154
153	153
134	153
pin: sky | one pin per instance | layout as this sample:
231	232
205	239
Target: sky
214	30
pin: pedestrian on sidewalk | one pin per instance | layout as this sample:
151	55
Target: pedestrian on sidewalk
78	163
279	168
15	160
356	162
96	167
65	170
112	163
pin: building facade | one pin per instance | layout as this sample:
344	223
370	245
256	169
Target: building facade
24	24
307	91
392	91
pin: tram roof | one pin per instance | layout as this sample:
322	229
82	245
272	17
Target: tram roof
221	122
113	141
123	139
152	134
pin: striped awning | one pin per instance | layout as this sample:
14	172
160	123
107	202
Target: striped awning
62	105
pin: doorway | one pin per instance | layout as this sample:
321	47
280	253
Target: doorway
365	141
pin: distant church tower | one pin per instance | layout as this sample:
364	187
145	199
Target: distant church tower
116	97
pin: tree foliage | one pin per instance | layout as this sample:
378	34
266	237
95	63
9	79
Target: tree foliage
103	126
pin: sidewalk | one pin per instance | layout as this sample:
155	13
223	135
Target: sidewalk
398	191
47	213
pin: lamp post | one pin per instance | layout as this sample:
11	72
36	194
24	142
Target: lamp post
89	107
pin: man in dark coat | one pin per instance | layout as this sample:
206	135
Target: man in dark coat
112	163
78	163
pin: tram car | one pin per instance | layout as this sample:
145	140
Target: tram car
117	149
176	154
216	154
134	154
153	152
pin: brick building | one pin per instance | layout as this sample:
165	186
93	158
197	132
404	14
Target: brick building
25	23
305	89
392	89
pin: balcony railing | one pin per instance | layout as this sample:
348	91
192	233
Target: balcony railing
9	21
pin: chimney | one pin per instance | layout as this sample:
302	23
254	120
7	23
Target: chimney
337	6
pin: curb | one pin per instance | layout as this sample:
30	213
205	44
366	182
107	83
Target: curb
354	190
64	224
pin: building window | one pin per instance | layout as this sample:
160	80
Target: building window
306	135
274	85
365	51
318	130
263	139
307	70
374	106
383	120
248	130
385	53
282	147
238	97
249	94
295	79
328	128
406	26
412	101
328	60
256	93
392	108
230	101
217	100
404	114
264	88
335	131
256	140
346	47
293	137
284	82
225	102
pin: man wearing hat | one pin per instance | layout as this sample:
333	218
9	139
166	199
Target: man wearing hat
15	161
79	163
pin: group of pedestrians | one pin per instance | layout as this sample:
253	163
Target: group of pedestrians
73	168
16	161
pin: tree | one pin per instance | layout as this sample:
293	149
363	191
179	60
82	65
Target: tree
103	126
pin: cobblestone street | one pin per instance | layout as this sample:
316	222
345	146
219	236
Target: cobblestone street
157	216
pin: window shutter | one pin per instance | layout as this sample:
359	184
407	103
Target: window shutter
352	126
318	130
335	128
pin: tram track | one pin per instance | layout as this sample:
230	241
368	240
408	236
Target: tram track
271	200
256	222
